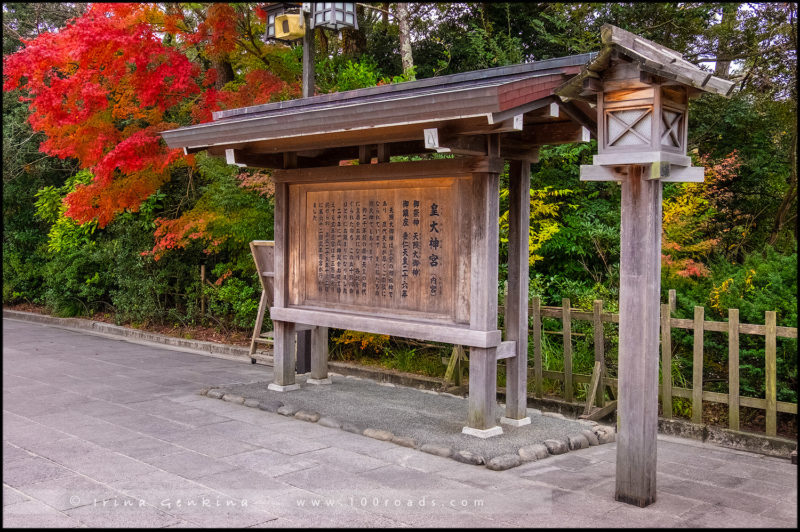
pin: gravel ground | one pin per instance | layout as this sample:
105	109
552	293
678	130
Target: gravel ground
409	412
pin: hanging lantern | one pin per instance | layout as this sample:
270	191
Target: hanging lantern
333	15
284	21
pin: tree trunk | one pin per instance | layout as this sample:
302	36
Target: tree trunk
405	40
788	198
727	25
224	72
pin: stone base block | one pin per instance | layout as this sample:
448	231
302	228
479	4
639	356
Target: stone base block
515	422
482	433
278	388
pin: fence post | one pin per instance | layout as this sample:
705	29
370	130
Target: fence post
599	348
567	335
770	372
666	362
537	346
697	366
202	286
733	368
671	298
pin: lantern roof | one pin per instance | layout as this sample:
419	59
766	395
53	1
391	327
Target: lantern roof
649	57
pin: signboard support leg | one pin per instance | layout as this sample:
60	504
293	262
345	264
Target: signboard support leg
482	393
319	356
640	281
285	354
516	317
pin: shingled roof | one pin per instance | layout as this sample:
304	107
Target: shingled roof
650	57
495	93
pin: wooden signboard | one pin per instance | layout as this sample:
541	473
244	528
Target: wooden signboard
393	248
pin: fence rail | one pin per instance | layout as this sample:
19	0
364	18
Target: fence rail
699	326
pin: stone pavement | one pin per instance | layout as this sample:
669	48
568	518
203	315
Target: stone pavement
102	432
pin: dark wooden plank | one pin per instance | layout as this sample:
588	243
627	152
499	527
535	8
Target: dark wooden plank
516	302
400	170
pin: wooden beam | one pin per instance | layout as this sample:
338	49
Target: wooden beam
579	115
507	349
444	142
415	329
399	170
547	133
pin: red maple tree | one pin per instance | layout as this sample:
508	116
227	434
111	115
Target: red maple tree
103	88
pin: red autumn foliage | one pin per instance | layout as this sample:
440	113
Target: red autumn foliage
101	90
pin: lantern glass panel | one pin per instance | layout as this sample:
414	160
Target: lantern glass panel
623	123
339	5
327	5
348	18
339	16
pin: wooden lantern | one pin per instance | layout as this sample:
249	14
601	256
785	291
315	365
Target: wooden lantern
289	26
333	15
275	27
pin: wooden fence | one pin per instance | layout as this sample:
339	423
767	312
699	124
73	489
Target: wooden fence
696	394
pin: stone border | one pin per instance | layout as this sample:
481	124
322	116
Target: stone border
744	441
230	352
593	433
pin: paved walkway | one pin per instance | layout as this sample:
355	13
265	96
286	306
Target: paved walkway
102	432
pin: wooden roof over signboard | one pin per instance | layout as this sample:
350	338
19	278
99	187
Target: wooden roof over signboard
526	105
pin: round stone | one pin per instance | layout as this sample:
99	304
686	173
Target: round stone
591	437
349	427
438	450
531	453
556	446
215	393
270	405
330	422
503	462
404	441
578	442
378	434
287	410
233	398
304	415
252	403
466	457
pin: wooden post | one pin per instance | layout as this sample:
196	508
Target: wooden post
483	305
537	346
309	80
319	356
567	336
770	371
285	342
672	299
666	362
733	368
697	366
516	300
640	279
285	353
599	347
